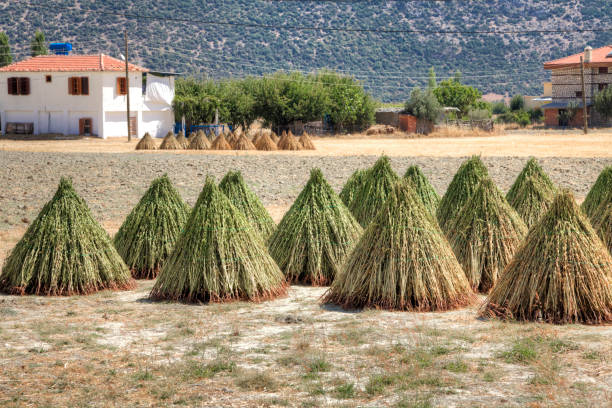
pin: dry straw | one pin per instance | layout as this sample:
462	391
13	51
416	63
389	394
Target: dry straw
289	142
375	188
218	257
561	274
274	137
423	188
532	169
182	140
485	235
461	188
315	235
199	141
306	142
602	221
353	184
149	232
170	143
402	262
243	143
64	252
598	192
264	142
146	143
245	200
220	143
532	199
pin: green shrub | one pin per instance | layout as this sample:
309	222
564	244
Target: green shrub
423	105
517	103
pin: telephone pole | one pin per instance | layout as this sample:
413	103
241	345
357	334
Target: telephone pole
127	87
584	105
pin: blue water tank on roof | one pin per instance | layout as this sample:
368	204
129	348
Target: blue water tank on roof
60	48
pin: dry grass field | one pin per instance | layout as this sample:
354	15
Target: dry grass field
118	349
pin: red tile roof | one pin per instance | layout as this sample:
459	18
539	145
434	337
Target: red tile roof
599	57
70	63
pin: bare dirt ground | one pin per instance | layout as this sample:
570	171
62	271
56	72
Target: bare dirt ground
119	349
539	143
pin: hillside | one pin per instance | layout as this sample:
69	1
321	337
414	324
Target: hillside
388	63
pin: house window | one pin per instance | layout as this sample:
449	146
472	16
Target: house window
85	126
578	94
19	86
602	86
78	86
48	78
121	86
603	70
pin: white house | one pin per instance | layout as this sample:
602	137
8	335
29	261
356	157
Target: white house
83	95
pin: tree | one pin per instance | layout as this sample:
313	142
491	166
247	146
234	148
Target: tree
499	107
5	50
423	105
39	44
451	92
432	83
603	103
517	103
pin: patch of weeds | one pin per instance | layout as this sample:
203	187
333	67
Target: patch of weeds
7	311
198	370
547	373
274	402
580	386
415	402
352	336
593	355
317	390
288	361
143	375
163	394
256	381
561	346
377	383
439	350
319	365
70	313
421	356
457	366
489	377
427	381
37	350
345	391
522	351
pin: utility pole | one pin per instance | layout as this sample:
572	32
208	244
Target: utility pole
127	87
584	105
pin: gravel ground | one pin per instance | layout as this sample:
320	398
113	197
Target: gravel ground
113	183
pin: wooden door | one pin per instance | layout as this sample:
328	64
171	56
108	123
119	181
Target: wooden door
133	126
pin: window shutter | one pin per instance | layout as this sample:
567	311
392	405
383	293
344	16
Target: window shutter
24	86
12	82
70	92
81	126
85	86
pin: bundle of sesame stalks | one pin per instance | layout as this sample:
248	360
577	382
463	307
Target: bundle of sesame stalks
289	142
423	188
460	190
235	188
64	252
170	143
531	170
402	262
561	274
149	232
306	142
146	143
598	192
264	142
199	141
243	143
532	199
182	140
375	188
602	221
485	235
315	235
218	257
220	143
352	185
